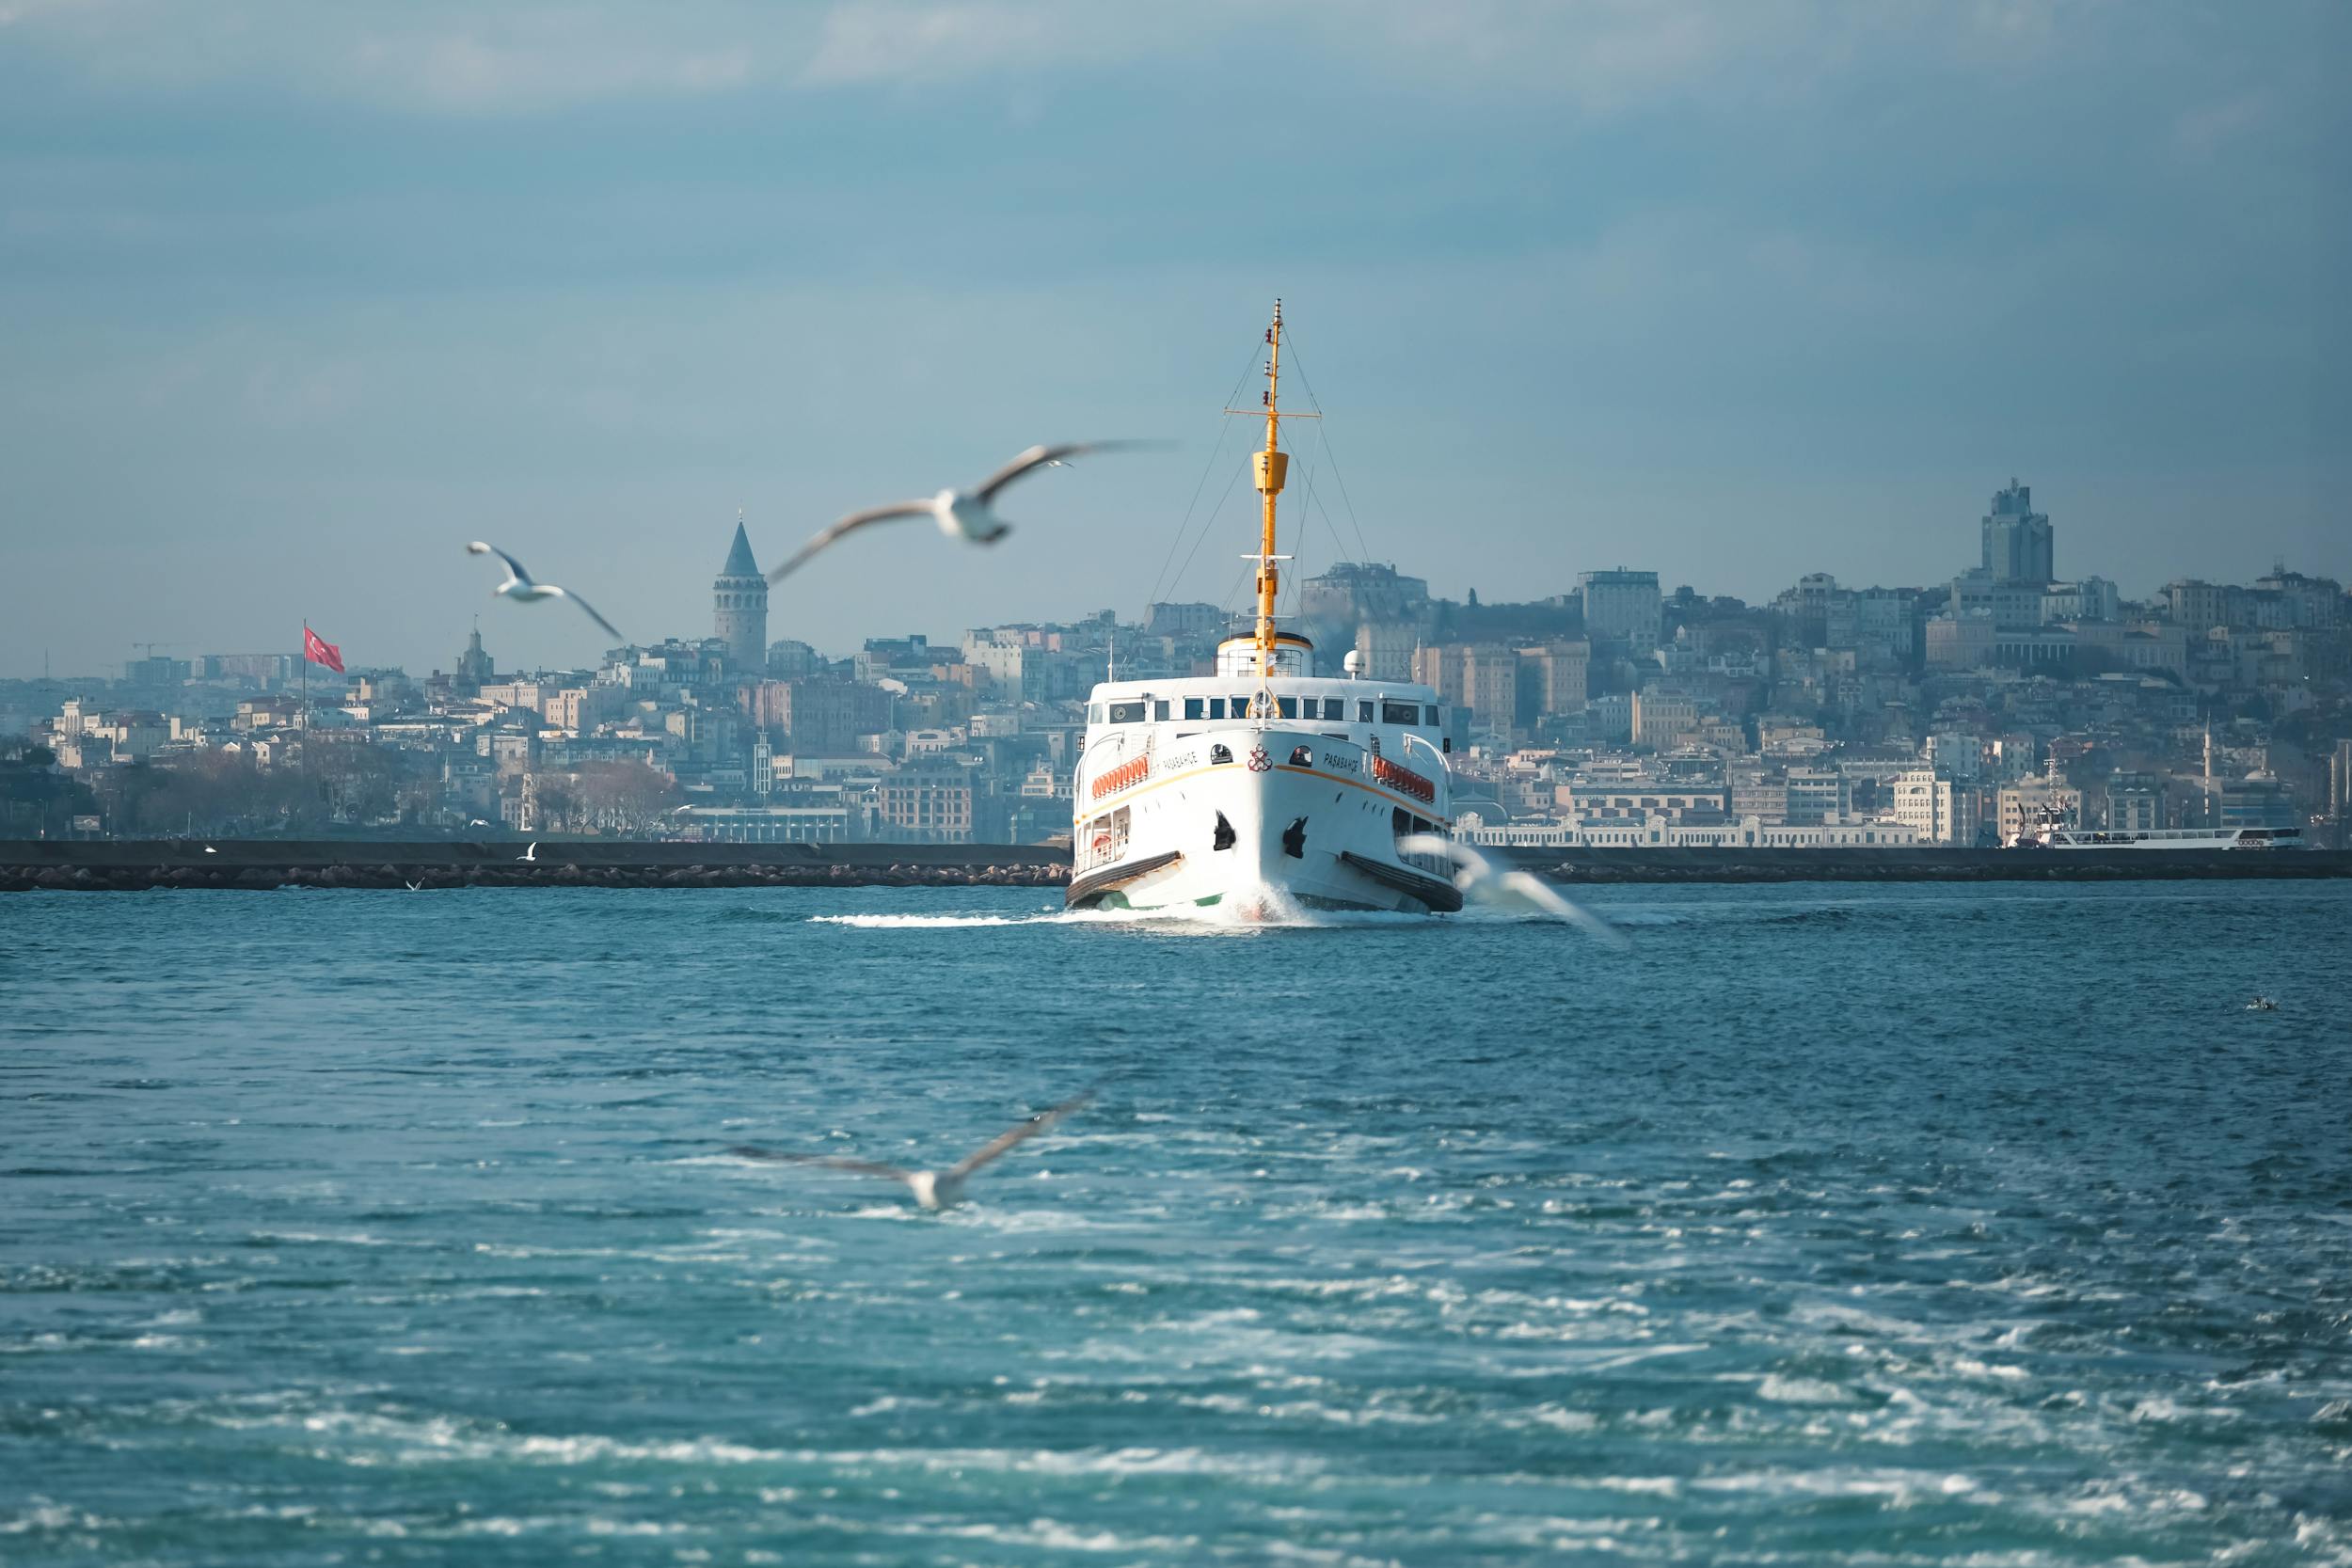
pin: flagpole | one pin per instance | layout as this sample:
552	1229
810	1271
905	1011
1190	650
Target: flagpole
304	720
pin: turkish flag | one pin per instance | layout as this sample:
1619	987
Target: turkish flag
318	650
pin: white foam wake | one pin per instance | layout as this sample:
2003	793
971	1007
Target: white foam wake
1267	909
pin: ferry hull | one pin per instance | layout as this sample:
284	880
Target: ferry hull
1312	835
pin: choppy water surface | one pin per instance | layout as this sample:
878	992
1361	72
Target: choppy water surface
1905	1224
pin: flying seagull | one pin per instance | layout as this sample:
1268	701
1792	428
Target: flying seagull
966	515
530	854
1481	879
519	586
933	1189
413	887
210	851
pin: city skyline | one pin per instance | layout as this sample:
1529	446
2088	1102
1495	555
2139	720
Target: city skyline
295	310
738	581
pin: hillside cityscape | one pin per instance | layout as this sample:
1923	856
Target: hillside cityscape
1615	711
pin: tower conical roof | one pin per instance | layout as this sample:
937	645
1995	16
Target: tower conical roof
739	561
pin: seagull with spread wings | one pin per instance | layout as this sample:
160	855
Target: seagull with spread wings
966	515
521	587
933	1189
1483	881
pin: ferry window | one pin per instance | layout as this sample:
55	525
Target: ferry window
1334	708
1302	756
1094	714
1216	707
1159	710
1400	713
1195	709
1126	713
1429	717
1286	707
1220	754
1364	713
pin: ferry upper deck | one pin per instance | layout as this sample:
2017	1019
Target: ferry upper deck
1342	709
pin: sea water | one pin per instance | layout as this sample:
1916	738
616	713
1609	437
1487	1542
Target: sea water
1915	1225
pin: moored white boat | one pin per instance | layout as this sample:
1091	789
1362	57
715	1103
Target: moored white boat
2053	832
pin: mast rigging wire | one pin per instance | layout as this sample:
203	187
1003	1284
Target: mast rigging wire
1299	359
1225	425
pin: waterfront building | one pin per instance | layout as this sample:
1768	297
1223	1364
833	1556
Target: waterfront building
1662	718
474	666
1383	649
1558	674
1623	607
1935	806
1483	677
996	657
1354	592
818	716
932	803
827	818
2135	801
790	660
1658	831
2017	540
2196	606
1190	619
2310	603
2090	599
2258	800
1818	795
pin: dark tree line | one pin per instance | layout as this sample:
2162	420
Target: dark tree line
35	800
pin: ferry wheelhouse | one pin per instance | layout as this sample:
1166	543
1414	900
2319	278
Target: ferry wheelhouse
1264	783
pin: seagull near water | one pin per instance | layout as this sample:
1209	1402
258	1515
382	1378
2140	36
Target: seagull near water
521	587
933	1189
532	854
966	515
1481	879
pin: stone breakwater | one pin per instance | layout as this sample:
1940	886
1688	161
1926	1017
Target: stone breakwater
119	865
1926	864
260	864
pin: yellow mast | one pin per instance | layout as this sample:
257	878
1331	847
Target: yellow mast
1272	467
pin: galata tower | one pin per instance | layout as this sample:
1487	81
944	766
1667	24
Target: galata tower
739	605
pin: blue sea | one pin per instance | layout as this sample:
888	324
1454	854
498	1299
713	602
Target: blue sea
1909	1224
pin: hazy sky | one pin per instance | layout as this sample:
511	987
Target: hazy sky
295	299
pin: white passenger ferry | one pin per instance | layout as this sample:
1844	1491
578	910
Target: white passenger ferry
2053	832
1263	784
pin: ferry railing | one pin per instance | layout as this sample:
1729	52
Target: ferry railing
1437	864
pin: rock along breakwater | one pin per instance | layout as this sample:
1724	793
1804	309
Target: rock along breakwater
124	864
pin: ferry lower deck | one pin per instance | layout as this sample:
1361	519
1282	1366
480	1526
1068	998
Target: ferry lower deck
1186	795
